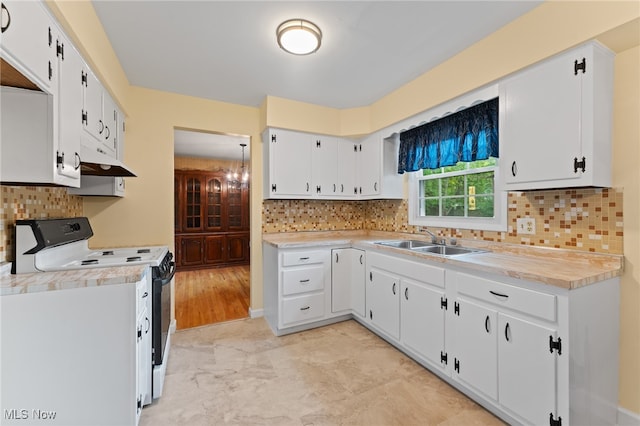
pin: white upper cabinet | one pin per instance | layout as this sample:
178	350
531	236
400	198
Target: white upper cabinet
287	168
304	166
28	41
555	121
98	111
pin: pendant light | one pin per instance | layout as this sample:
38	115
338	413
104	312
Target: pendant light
243	173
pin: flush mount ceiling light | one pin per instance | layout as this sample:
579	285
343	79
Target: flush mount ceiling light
299	36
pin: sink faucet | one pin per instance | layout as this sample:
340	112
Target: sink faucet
435	239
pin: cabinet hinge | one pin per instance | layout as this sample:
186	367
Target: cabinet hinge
557	345
318	144
456	365
554	422
318	189
443	357
273	188
355	148
577	66
355	190
456	308
84	117
60	50
273	138
83	78
443	303
60	159
579	165
139	403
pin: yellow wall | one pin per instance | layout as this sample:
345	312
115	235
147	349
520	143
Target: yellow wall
548	29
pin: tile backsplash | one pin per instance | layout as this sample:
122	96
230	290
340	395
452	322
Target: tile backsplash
587	219
32	202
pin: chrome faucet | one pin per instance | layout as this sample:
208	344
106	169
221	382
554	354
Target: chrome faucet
435	239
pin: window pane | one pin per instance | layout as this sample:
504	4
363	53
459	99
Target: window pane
460	166
430	188
430	207
429	172
453	185
483	207
453	206
481	183
483	163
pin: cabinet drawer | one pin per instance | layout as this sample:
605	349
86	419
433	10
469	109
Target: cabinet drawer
531	302
304	257
300	280
303	308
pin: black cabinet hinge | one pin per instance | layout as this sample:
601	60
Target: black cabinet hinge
60	158
273	138
579	165
443	303
60	50
443	357
557	345
273	188
355	148
318	144
83	78
84	117
318	189
456	308
580	66
456	365
554	422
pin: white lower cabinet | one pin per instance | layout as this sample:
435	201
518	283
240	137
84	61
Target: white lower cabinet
383	301
347	281
298	289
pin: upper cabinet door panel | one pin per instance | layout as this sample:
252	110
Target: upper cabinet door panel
290	162
28	36
92	104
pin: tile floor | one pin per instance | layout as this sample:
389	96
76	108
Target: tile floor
239	373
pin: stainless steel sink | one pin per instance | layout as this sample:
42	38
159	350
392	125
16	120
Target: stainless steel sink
447	250
428	248
405	244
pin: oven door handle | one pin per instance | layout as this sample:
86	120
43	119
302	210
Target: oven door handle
167	279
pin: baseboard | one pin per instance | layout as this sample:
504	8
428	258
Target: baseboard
256	313
628	418
172	326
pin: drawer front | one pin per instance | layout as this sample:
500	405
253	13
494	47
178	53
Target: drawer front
535	303
305	257
418	271
300	280
302	309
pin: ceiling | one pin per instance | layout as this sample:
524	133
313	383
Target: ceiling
227	50
210	145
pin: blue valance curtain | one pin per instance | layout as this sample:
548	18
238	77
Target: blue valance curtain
467	135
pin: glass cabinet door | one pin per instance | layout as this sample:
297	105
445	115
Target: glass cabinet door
193	204
234	204
214	204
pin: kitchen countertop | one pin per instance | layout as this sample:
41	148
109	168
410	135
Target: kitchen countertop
568	269
66	280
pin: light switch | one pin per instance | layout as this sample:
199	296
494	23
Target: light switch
526	225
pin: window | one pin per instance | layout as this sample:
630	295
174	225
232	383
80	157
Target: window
464	196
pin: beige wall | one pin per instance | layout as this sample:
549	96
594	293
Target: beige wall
548	29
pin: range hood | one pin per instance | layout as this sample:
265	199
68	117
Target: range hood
96	163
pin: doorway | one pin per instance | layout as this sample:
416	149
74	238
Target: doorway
212	227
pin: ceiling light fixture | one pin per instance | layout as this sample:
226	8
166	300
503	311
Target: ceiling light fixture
243	172
299	36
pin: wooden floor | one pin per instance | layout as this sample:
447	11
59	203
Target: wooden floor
208	296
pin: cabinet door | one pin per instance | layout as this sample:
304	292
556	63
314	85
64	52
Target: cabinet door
69	106
348	281
214	249
527	369
422	320
193	203
177	202
28	36
346	165
110	119
92	106
383	301
324	168
191	251
235	205
237	247
476	348
290	164
540	122
369	164
214	215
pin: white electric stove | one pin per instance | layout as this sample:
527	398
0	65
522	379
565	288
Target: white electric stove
49	245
